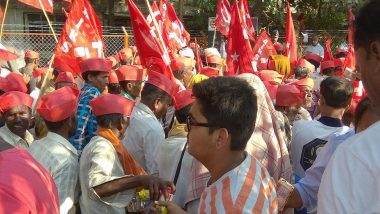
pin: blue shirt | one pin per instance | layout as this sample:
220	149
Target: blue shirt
308	186
86	125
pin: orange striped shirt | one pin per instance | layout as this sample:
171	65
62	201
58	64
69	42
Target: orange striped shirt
246	189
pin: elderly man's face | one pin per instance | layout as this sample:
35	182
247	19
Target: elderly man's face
18	119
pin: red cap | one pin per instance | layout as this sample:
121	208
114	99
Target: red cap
59	104
313	56
304	82
327	64
95	64
130	72
125	53
15	82
289	95
271	76
181	62
37	72
31	54
306	64
112	78
3	84
339	62
111	104
14	98
65	63
65	77
162	82
214	59
114	59
183	99
209	71
271	88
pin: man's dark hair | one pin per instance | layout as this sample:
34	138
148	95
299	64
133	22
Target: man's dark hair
367	25
114	88
88	73
150	92
340	55
361	108
315	63
55	126
182	114
328	71
337	91
230	103
109	120
300	72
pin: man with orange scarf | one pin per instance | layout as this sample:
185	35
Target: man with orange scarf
109	176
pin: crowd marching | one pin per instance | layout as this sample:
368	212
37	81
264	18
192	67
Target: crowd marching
164	127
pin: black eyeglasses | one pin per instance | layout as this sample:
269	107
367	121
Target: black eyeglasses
190	123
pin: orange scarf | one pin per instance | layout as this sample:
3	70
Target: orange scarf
129	164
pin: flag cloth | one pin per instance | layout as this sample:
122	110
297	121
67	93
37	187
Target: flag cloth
291	38
151	52
262	50
198	56
328	54
239	50
81	35
246	18
47	4
178	37
223	17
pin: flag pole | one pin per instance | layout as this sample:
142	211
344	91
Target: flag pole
214	37
2	22
157	29
44	83
47	18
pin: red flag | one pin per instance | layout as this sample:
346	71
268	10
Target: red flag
247	21
223	17
291	38
198	56
152	54
262	50
239	50
81	37
158	17
47	4
350	61
178	37
328	54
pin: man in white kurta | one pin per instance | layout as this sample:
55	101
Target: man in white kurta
60	159
143	137
99	164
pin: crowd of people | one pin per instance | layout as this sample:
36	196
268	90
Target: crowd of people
122	138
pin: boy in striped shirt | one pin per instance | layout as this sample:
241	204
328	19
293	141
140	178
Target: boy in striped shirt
221	122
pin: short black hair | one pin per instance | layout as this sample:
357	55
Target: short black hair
367	25
151	92
182	114
88	73
109	120
315	63
328	71
231	103
114	88
54	126
341	55
300	72
337	91
361	108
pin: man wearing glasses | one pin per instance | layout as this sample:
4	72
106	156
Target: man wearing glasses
221	122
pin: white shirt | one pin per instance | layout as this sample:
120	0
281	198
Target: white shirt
60	159
99	164
318	49
14	139
169	154
143	136
308	138
350	183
